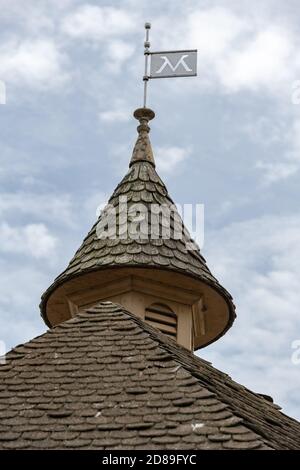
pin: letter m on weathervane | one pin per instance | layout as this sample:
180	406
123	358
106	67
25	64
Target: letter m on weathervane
168	64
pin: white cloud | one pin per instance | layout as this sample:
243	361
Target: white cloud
34	63
117	53
119	112
287	163
255	65
115	115
92	22
238	49
106	27
277	171
32	240
20	292
265	130
168	158
33	18
214	31
245	52
43	206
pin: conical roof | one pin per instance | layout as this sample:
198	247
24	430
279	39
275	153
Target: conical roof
141	184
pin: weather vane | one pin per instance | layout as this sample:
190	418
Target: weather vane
167	64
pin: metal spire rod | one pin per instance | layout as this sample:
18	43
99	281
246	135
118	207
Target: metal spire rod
146	54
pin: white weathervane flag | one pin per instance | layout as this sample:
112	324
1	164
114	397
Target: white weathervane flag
167	64
173	64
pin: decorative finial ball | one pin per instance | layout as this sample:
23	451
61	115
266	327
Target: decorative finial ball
147	25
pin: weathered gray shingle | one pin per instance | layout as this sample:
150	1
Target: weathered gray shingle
141	185
106	380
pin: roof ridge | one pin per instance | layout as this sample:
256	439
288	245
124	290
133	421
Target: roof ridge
255	414
174	348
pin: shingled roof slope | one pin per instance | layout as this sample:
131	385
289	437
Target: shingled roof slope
141	184
106	380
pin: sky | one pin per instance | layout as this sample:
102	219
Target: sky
228	139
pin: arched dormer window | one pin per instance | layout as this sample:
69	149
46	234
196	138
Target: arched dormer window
163	318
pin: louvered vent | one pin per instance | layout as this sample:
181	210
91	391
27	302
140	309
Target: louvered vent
163	318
